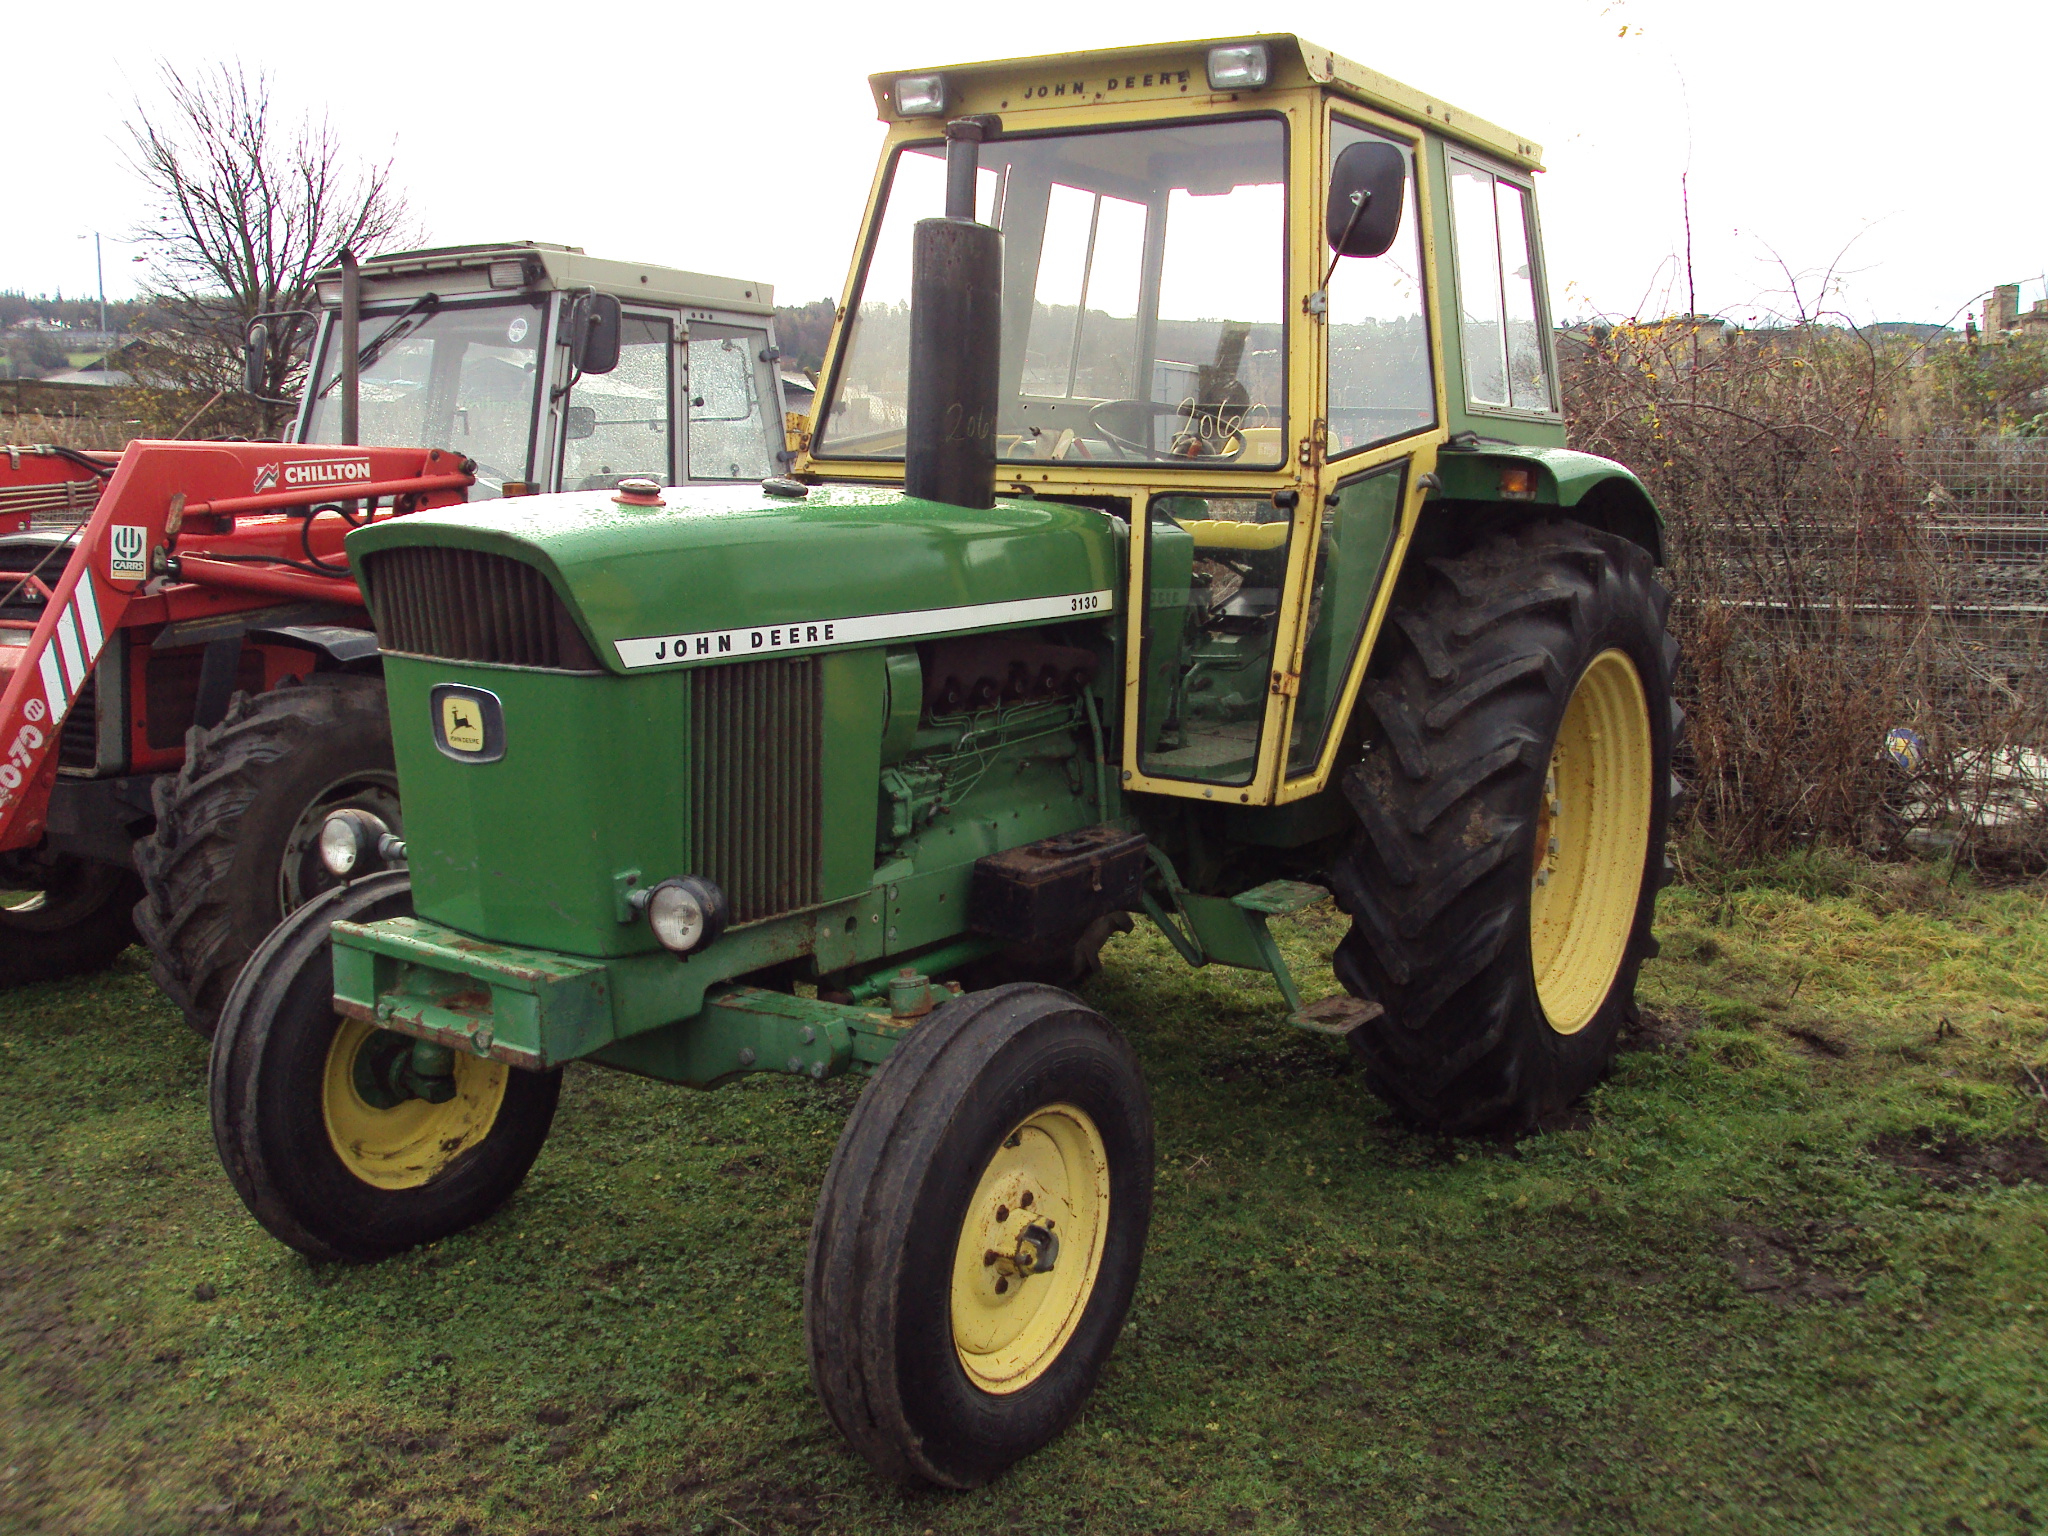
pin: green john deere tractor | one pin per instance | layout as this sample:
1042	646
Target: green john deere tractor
1185	531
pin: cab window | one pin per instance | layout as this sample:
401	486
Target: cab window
1144	297
1360	519
1380	382
458	376
617	423
732	402
1500	309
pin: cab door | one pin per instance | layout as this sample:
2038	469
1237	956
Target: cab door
735	427
1382	422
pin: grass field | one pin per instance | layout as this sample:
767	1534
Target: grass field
1786	1272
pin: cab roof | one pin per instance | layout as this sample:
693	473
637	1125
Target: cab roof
1176	71
465	268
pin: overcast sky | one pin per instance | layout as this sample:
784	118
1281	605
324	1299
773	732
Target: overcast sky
1898	144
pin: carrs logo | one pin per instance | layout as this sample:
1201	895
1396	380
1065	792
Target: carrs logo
327	472
266	478
127	552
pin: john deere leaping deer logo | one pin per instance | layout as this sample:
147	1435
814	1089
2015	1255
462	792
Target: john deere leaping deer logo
469	723
462	723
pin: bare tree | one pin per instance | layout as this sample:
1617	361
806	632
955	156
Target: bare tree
244	210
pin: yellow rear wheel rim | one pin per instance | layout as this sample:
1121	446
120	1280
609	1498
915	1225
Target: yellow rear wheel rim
409	1143
1042	1199
1592	837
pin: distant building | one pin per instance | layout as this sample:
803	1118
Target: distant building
2003	317
106	376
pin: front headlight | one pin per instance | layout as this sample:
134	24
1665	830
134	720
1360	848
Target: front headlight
685	913
351	843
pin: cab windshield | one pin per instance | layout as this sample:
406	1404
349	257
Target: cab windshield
437	375
1143	297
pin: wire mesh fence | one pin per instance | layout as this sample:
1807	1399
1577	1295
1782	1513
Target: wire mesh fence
1863	615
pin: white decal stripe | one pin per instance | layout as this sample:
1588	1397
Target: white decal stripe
53	684
67	636
89	616
862	629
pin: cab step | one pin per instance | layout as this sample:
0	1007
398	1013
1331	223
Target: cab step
1335	1016
1281	898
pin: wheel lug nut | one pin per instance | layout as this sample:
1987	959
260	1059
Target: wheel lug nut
1002	1213
1002	1286
1025	1201
988	1258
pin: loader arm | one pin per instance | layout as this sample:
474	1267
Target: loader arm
175	519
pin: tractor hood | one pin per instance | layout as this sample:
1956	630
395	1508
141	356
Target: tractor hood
721	573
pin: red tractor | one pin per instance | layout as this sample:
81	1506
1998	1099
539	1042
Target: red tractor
191	681
190	668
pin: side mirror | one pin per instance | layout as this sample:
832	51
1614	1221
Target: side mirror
1367	186
593	332
579	422
255	344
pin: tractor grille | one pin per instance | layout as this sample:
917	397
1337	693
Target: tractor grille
755	744
466	605
78	743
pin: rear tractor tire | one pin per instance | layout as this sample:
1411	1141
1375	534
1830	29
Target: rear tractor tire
320	1136
978	1237
236	845
1513	804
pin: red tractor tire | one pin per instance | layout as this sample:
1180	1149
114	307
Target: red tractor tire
235	845
74	919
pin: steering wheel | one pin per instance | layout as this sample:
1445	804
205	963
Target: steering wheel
1211	430
1204	432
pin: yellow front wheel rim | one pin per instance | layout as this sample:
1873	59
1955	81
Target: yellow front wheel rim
413	1141
1592	838
1030	1249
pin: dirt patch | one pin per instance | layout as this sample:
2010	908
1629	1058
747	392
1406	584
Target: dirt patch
771	1507
1816	1041
1779	1266
1302	1062
1665	1031
1949	1161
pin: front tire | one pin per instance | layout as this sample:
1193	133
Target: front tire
979	1234
320	1151
1513	806
236	840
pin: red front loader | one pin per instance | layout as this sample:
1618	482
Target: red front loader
202	586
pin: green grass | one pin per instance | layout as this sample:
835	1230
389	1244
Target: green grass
1705	1304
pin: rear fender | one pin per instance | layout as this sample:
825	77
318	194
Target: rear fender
1595	491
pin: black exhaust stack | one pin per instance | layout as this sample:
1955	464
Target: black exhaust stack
956	301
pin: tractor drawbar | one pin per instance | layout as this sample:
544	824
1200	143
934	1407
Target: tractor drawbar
956	300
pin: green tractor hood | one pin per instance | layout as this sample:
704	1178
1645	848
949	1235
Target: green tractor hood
723	573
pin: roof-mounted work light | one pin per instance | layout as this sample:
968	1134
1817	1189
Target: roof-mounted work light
1240	67
921	95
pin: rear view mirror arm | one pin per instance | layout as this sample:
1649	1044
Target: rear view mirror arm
1319	301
